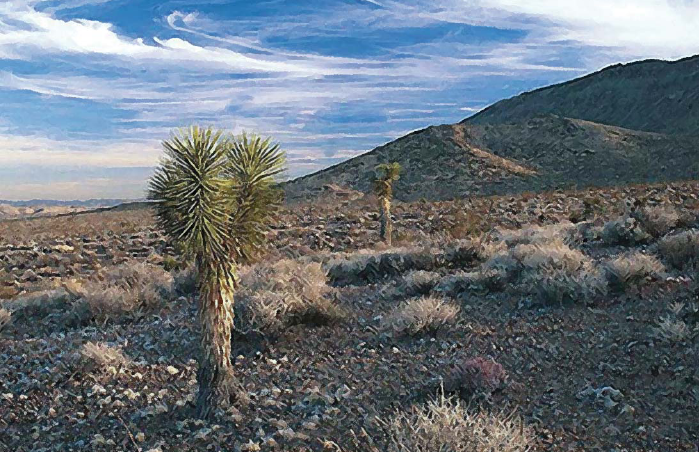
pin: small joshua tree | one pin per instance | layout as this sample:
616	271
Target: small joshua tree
386	175
214	196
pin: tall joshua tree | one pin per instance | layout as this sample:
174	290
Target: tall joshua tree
214	194
386	175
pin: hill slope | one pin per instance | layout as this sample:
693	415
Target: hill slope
634	123
545	152
652	95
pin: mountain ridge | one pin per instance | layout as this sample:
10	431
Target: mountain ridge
529	143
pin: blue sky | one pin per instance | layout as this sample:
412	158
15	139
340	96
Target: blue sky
89	88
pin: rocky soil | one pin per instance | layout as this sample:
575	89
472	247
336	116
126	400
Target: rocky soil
585	376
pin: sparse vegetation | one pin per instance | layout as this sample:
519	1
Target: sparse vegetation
125	291
672	330
421	315
286	293
624	231
445	425
215	196
386	175
477	377
5	319
680	250
632	270
100	357
658	220
315	352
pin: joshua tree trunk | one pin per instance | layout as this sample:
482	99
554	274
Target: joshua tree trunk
216	377
386	223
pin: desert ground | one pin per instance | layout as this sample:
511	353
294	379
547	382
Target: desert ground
563	321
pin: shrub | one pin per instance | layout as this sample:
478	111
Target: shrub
421	315
360	268
5	319
564	231
554	254
458	283
38	304
658	220
274	297
125	291
418	282
623	231
445	425
97	356
556	285
680	250
632	270
462	253
672	330
476	377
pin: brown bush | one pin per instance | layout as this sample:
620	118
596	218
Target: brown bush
445	425
476	377
274	297
680	250
5	319
124	292
101	357
421	315
632	270
658	220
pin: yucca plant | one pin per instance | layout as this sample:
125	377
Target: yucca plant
386	175
214	195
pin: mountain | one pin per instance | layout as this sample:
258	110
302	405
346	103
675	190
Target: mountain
652	95
631	123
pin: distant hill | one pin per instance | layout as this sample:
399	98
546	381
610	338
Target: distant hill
73	203
630	123
49	207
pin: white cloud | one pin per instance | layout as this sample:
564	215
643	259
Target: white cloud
636	28
19	150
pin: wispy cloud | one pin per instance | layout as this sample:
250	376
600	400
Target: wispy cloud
328	79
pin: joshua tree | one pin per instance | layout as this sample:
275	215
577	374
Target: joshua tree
214	196
386	175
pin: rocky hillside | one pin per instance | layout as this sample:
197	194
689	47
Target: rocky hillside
653	95
631	123
546	152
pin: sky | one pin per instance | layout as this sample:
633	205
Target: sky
90	88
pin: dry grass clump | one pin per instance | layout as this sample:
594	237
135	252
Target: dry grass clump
564	231
421	315
5	319
624	231
444	425
553	254
98	356
358	268
557	286
632	270
672	330
125	291
455	284
658	220
418	282
288	292
38	304
680	250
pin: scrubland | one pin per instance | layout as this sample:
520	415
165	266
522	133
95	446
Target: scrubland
552	321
